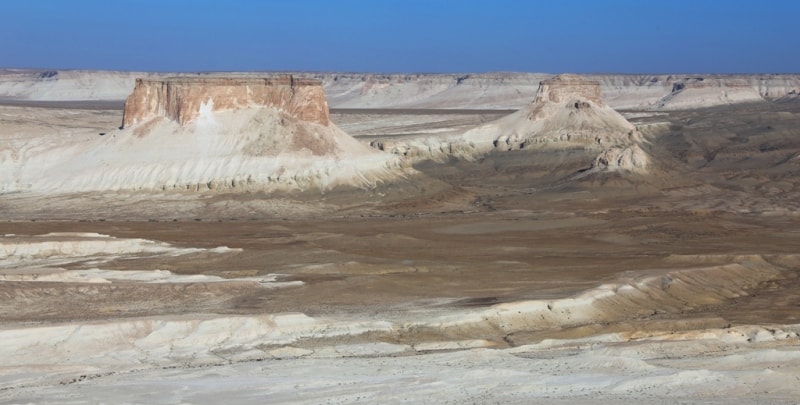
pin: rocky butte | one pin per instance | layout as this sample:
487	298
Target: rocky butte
570	108
567	113
214	133
182	98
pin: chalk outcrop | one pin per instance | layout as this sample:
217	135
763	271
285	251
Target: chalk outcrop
567	113
513	90
469	91
215	133
698	92
566	108
183	99
564	88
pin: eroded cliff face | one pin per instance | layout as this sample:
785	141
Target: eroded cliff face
567	114
563	88
184	99
569	108
458	91
220	134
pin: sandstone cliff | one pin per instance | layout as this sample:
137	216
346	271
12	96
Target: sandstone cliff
182	99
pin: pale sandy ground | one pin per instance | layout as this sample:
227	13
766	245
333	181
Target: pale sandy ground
654	336
564	373
501	282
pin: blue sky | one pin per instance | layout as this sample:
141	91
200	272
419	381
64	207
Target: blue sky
614	36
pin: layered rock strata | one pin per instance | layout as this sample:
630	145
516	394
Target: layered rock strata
213	133
566	87
183	99
567	108
457	91
698	92
567	113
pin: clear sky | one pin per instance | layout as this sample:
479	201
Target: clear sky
613	36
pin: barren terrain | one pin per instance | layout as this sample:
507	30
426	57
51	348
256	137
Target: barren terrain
514	276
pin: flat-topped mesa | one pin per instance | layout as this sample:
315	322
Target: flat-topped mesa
564	88
183	98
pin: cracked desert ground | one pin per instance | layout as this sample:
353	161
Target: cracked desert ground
506	276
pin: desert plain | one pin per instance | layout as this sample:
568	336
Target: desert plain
347	238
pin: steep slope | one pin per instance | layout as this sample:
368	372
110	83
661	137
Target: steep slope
698	92
214	133
567	114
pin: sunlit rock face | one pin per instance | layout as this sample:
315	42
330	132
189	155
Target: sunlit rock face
565	87
184	99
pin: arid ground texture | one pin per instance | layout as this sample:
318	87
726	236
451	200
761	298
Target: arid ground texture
345	238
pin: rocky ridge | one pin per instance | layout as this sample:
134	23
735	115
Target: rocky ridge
497	90
509	90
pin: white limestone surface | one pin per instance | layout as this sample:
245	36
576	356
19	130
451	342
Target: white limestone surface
608	369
